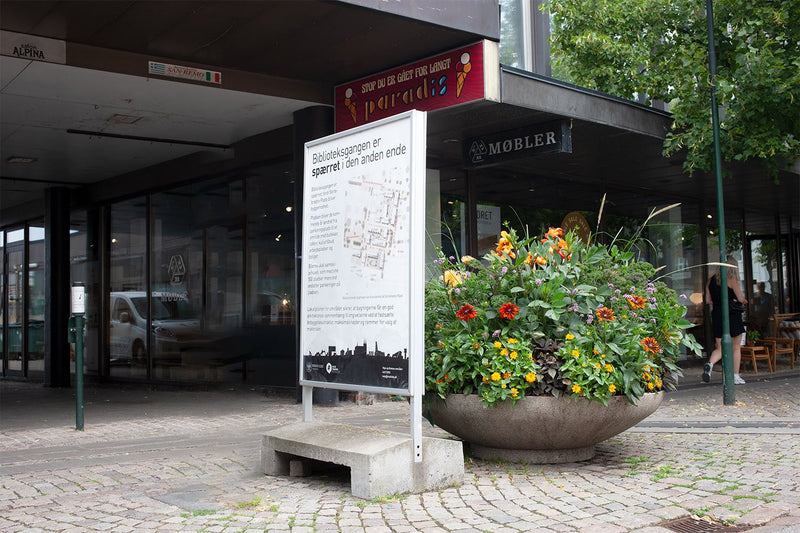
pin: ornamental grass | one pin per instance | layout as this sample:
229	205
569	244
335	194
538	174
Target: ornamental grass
551	316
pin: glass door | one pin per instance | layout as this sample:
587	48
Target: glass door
16	297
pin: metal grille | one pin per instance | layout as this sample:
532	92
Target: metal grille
695	525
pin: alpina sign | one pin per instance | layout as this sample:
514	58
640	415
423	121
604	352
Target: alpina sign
32	47
537	139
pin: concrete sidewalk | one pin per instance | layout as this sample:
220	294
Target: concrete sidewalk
189	461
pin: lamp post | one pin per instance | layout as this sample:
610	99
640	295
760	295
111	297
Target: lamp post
728	395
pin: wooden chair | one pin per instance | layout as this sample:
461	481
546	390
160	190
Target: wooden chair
782	341
755	354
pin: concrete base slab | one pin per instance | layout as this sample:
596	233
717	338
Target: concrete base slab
381	462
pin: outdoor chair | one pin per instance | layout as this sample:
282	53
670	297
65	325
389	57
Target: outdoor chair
785	339
755	354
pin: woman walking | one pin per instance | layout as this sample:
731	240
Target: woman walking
736	303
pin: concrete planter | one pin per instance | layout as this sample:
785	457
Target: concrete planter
538	429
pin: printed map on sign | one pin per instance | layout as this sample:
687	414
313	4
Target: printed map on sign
375	222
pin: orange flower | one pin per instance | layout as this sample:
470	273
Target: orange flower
508	311
530	377
650	345
576	389
467	312
554	233
504	246
604	314
636	302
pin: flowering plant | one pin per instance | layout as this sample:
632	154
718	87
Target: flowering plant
551	316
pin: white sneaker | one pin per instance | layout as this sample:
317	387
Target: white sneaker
737	380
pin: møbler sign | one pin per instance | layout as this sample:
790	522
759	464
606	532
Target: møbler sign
544	138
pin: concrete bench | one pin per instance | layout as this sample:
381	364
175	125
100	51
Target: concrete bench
381	462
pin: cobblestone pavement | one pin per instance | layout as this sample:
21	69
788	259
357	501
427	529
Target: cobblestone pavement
189	461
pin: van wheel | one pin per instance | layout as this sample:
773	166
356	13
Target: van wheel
138	352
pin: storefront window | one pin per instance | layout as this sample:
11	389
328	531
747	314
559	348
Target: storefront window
15	248
128	339
36	291
271	289
83	267
3	275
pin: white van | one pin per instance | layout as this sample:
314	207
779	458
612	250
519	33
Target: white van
173	323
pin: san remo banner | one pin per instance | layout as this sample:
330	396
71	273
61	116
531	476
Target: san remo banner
361	314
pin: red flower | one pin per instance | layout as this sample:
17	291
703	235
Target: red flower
605	314
509	311
650	345
467	312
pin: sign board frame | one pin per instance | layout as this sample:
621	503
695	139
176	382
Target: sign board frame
351	179
366	183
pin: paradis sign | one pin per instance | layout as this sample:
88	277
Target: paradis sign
444	80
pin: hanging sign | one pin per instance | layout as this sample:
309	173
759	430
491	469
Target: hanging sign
531	140
448	79
185	73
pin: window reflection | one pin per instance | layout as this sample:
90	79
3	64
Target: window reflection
128	342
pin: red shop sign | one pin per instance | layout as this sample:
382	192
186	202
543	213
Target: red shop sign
440	81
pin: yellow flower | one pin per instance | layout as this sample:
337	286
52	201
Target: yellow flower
650	386
514	392
612	388
512	341
576	389
503	385
495	376
498	344
530	377
570	336
575	353
452	278
608	367
602	356
504	351
467	258
513	355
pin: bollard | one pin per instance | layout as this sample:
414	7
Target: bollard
77	323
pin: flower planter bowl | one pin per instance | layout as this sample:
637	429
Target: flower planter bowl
538	429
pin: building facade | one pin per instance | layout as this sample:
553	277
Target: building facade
153	151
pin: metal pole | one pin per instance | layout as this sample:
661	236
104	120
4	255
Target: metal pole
728	395
77	323
80	322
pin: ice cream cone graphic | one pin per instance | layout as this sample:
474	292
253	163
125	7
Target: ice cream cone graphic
462	69
350	104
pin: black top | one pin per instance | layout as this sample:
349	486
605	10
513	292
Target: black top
734	318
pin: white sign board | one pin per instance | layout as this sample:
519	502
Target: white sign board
362	300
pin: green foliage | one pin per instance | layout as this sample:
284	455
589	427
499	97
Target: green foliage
658	50
550	316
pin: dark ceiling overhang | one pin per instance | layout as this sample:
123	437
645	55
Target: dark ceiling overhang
275	56
324	41
617	151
